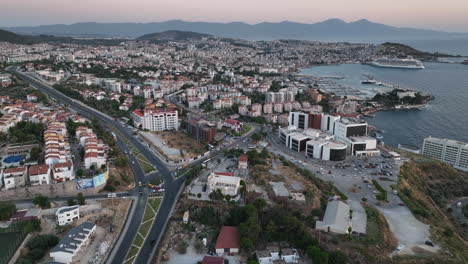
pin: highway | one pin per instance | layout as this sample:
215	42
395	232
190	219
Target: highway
171	186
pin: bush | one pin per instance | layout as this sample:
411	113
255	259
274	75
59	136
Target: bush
41	201
7	210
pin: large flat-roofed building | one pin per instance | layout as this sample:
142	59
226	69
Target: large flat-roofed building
362	146
328	123
453	152
69	248
225	182
326	150
303	120
349	127
336	219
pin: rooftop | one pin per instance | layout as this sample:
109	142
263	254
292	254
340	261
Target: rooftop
228	237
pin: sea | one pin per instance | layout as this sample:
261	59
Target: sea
446	116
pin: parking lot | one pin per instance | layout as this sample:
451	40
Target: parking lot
354	177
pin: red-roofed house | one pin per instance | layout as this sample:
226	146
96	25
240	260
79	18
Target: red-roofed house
212	260
234	124
228	241
14	177
63	171
243	161
39	174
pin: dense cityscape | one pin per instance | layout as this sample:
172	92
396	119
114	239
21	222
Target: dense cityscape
181	147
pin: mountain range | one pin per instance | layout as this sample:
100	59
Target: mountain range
332	29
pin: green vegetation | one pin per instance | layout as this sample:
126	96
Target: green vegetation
382	196
259	226
426	187
24	132
257	158
7	210
37	248
391	98
81	199
149	216
233	152
326	187
19	90
41	201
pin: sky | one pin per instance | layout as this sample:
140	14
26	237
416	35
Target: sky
447	15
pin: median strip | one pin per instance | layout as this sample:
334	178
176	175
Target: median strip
151	210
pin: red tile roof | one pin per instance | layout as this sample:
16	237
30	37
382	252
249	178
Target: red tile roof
38	169
212	260
228	237
224	173
15	170
243	158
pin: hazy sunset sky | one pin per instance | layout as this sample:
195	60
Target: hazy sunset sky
449	15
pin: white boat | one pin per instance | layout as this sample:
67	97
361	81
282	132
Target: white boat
398	63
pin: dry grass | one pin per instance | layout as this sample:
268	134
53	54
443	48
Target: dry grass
179	140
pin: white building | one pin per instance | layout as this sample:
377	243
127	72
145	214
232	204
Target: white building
68	214
14	177
69	248
453	152
337	218
63	171
224	181
156	119
39	174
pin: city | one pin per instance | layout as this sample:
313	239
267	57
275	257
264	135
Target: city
179	146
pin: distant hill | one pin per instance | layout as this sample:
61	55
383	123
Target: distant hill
11	37
173	35
332	29
7	36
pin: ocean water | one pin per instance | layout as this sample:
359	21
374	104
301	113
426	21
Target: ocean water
446	116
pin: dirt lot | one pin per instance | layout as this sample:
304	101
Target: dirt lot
277	171
104	213
189	147
122	178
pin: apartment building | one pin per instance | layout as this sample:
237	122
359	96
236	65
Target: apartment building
39	174
453	152
156	119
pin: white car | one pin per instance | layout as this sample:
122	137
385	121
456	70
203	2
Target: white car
400	248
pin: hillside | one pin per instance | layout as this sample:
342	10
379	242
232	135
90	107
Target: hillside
427	188
173	35
11	37
7	36
401	50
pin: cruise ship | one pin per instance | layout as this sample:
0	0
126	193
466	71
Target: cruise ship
398	63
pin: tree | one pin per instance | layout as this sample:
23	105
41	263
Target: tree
216	195
337	257
199	246
71	202
79	172
227	197
33	225
7	210
81	199
35	153
260	204
42	201
314	253
256	137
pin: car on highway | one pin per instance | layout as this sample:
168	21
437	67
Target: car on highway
139	184
111	195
